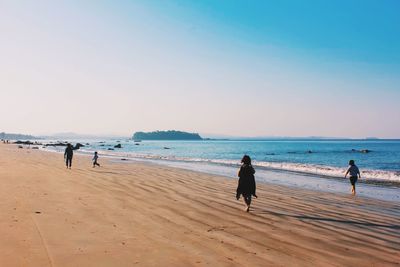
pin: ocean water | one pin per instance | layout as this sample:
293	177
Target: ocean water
316	164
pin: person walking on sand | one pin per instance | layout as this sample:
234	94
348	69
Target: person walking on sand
69	152
354	175
95	157
247	183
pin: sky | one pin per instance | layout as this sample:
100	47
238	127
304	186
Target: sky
222	67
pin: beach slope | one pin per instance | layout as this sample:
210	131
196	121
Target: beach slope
134	214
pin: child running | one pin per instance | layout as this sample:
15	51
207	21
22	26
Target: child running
247	184
354	175
95	157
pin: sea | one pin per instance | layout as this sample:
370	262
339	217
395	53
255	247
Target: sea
309	164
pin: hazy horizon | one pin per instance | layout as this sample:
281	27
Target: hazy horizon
236	68
203	135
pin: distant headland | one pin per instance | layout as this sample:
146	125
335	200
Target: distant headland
166	135
14	136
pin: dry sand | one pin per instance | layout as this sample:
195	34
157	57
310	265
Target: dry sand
133	214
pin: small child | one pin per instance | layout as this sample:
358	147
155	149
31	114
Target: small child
354	175
95	160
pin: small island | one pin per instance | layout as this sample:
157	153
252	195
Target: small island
166	135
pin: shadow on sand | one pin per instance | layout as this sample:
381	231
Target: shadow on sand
326	219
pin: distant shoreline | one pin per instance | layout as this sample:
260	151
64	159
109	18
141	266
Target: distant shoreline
74	136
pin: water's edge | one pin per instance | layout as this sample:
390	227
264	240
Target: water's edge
267	175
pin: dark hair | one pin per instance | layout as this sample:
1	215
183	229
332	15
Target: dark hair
351	162
95	152
246	160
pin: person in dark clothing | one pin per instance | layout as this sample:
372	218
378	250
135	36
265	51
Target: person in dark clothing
69	152
247	183
95	157
354	175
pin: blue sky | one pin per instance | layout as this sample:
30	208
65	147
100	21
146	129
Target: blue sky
246	68
365	31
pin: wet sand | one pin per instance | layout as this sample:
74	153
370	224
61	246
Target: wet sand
134	214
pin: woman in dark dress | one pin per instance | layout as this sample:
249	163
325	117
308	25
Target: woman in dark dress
247	183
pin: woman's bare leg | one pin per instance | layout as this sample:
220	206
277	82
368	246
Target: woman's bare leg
248	202
245	203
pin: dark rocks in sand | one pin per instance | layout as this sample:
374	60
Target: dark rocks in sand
137	144
35	147
110	148
20	146
118	146
56	144
166	147
123	159
23	142
102	145
78	145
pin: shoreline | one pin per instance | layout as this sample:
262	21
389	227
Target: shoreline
370	174
151	215
385	191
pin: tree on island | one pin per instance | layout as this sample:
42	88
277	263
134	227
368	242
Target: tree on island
166	135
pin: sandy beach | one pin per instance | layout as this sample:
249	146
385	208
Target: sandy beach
135	214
